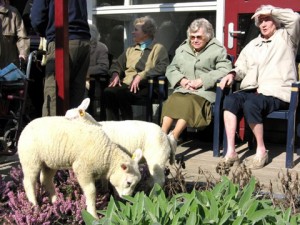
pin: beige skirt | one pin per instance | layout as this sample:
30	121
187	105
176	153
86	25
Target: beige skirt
195	110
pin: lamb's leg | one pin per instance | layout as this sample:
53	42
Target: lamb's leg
29	182
157	173
87	184
46	178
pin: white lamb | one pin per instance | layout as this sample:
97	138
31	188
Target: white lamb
50	143
157	147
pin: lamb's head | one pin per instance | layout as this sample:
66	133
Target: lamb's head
80	113
127	175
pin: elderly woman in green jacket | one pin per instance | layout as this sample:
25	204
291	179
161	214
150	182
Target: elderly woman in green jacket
197	65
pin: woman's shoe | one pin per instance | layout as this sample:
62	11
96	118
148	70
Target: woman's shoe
258	162
230	161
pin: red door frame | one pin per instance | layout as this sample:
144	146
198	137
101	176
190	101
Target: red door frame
236	7
62	55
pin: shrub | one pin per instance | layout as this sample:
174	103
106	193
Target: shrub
16	209
216	201
226	203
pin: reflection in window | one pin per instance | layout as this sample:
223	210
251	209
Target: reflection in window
139	2
109	2
171	29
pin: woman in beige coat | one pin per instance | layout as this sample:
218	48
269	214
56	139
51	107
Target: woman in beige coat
267	69
197	65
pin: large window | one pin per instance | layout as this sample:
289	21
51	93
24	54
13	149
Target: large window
114	20
140	2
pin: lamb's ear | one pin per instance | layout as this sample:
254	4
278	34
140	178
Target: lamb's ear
84	104
71	114
137	155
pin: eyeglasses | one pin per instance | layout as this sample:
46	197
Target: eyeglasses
201	38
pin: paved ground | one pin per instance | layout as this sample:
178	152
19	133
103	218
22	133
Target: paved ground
6	162
201	165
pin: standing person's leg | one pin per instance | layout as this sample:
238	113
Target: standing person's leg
49	105
79	52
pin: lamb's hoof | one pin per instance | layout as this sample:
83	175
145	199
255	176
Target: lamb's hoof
53	199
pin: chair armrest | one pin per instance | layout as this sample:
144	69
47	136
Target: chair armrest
294	97
163	87
159	81
221	93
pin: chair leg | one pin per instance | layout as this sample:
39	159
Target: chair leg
103	84
290	143
159	111
91	95
216	137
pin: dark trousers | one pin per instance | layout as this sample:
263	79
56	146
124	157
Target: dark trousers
79	59
255	107
119	100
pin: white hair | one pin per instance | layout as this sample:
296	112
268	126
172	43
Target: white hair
265	8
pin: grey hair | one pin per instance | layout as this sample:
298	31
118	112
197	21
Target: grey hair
95	35
266	8
205	25
149	25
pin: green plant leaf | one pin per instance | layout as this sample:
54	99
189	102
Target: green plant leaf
156	191
287	215
202	198
221	187
247	193
251	207
214	215
192	218
293	220
261	214
224	219
88	218
185	207
150	208
110	208
238	220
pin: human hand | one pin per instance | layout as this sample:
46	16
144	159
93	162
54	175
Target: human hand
134	86
115	80
183	82
22	57
195	84
227	80
22	63
265	12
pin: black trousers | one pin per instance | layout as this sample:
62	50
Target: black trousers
254	106
119	100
